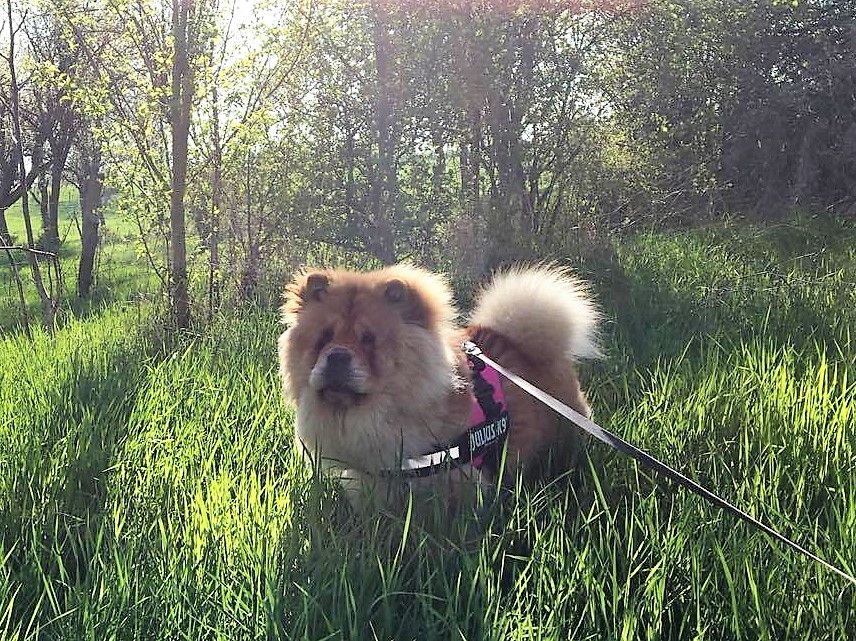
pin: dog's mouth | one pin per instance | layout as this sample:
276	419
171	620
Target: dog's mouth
339	380
341	396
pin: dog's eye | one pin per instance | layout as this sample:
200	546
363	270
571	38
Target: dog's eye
326	337
367	339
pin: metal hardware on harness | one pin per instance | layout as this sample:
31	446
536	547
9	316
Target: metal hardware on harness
472	350
480	446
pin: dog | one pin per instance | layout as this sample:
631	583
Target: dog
373	361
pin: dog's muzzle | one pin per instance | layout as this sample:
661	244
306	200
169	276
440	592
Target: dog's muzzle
338	378
338	372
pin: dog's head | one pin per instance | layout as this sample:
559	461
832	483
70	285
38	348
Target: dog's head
355	339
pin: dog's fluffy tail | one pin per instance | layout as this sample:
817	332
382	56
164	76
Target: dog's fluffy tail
544	309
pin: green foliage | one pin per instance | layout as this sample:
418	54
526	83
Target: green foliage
148	488
463	135
732	105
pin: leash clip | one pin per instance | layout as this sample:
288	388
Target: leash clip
470	348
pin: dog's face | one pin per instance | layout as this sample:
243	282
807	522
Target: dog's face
340	322
356	338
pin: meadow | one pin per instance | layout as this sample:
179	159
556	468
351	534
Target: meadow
149	490
121	274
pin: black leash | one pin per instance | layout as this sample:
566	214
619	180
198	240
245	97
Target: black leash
472	350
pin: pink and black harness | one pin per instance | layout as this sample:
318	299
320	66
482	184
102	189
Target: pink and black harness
481	445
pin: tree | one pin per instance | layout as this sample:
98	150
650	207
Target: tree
10	185
91	188
49	298
249	150
183	35
148	83
55	93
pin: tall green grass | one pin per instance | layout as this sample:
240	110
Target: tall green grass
148	488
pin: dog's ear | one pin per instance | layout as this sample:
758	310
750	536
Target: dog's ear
406	301
316	286
305	288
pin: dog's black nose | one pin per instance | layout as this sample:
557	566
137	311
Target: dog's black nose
337	372
338	357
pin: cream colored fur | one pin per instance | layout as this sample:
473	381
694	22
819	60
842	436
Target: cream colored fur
544	309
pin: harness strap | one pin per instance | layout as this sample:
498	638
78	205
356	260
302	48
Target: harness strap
480	445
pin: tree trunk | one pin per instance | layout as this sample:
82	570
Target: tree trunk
349	170
250	275
5	237
384	185
179	125
44	197
91	190
472	76
439	169
216	206
475	157
49	303
463	169
50	228
7	178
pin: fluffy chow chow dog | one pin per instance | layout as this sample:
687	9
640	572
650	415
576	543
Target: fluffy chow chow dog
374	364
